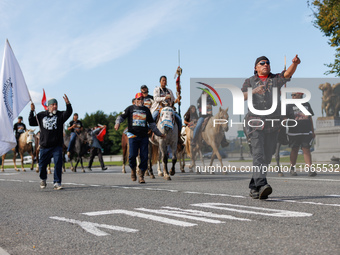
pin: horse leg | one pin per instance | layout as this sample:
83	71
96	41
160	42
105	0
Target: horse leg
22	162
32	165
165	164
81	164
3	163
174	158
159	170
150	162
14	161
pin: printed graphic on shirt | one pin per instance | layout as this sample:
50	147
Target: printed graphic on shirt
139	119
147	102
21	128
299	114
50	123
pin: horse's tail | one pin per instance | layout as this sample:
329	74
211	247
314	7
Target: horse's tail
155	154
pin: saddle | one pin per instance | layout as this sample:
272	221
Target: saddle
205	122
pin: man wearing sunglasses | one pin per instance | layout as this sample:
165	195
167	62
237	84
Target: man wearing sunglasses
138	117
263	138
300	136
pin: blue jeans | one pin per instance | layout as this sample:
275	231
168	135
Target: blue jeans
45	158
72	141
264	146
198	127
178	119
139	144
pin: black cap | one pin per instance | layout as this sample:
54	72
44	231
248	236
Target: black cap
144	87
20	117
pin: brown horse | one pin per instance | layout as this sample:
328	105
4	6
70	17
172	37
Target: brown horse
24	145
212	135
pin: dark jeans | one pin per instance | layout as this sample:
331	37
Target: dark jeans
96	151
141	144
45	158
72	141
263	145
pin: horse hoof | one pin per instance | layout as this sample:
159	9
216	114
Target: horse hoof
152	176
17	170
123	171
167	178
160	174
147	173
37	171
74	170
83	171
24	170
49	172
172	172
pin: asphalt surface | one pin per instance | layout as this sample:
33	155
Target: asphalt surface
104	212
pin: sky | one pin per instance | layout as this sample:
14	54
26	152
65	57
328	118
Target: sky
99	53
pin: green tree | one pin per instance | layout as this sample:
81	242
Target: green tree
327	18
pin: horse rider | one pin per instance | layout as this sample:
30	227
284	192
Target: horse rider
148	99
96	149
263	138
51	142
138	117
210	104
162	94
18	128
76	127
190	117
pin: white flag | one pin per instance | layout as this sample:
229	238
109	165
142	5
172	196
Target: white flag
14	97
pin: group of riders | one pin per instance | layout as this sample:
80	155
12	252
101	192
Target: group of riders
143	115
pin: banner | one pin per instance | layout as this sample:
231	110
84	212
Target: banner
14	97
43	101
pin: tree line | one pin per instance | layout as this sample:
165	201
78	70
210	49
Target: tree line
112	139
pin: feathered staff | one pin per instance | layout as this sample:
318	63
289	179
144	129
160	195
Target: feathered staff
178	84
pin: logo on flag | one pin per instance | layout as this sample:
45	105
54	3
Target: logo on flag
8	97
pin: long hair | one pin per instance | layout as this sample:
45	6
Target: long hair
189	113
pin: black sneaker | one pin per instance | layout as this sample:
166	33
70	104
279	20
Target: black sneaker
292	171
104	168
254	194
265	191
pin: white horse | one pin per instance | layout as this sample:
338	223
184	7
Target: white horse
167	126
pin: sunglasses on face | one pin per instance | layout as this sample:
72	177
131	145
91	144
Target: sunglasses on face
139	98
262	63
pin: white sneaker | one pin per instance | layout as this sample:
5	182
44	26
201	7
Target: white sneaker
57	186
43	184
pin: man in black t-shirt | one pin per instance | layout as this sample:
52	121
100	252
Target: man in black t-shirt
51	142
148	99
18	128
302	135
138	117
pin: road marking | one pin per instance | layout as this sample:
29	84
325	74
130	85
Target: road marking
178	214
333	196
204	214
142	215
267	211
302	202
92	227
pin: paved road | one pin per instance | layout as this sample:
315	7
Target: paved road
104	212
